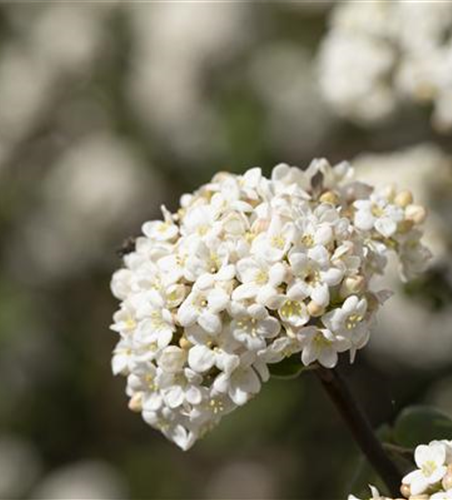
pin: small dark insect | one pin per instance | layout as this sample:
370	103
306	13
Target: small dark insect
128	246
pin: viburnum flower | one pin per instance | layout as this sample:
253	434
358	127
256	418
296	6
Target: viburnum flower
432	461
250	271
432	480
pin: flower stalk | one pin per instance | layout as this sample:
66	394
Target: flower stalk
360	427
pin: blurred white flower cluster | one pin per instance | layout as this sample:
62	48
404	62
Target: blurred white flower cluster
433	477
249	271
427	171
379	54
174	45
33	67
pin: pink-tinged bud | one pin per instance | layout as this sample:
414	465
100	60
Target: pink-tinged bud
135	402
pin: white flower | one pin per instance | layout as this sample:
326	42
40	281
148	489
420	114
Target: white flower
241	384
320	344
294	313
378	213
177	389
273	244
349	321
123	357
172	359
161	230
201	358
157	323
121	283
205	257
314	275
144	382
259	279
314	227
199	221
124	320
202	306
255	328
430	460
281	348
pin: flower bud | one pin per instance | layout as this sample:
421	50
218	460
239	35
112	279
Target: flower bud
415	213
135	402
405	490
184	343
329	197
352	285
447	480
315	309
404	198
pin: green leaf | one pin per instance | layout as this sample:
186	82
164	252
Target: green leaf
289	367
420	425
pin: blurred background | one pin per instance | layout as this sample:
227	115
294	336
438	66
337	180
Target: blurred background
108	110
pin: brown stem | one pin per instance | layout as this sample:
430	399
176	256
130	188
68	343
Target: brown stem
360	427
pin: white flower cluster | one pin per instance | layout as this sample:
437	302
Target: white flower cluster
433	477
370	62
249	271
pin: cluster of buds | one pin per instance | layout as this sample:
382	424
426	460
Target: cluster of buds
249	271
432	480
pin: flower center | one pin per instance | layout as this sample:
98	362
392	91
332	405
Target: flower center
249	326
377	211
291	308
149	379
249	236
321	341
352	321
215	262
163	227
261	278
216	405
307	240
313	277
157	320
153	346
180	260
429	468
202	230
199	303
130	323
278	242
